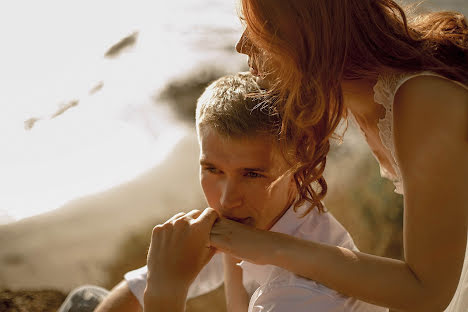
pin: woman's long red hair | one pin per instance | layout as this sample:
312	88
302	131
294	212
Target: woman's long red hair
312	45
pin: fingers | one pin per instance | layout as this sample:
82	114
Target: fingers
223	225
175	217
208	216
192	214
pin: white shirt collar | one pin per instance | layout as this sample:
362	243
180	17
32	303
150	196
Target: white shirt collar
291	220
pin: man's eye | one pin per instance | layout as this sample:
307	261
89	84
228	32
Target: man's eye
211	170
252	174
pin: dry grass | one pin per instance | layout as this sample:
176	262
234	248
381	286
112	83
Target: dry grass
31	301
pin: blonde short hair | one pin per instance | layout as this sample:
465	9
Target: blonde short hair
234	106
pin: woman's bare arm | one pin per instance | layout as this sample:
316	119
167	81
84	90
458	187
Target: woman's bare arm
431	138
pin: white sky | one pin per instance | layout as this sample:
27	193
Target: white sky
52	51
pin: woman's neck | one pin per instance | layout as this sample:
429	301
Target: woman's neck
359	99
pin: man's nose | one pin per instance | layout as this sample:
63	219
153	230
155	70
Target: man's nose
243	44
231	196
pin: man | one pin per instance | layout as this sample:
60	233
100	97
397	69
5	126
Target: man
245	178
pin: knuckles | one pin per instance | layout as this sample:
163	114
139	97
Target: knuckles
184	222
159	229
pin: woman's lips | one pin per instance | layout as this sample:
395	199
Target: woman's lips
254	71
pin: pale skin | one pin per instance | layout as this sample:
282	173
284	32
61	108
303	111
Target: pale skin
431	141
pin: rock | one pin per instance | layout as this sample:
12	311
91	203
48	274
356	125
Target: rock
31	300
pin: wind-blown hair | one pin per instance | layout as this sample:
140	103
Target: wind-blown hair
311	46
235	107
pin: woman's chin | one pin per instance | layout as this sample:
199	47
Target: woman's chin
262	82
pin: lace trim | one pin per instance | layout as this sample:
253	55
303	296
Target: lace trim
384	94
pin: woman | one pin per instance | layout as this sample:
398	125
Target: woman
405	84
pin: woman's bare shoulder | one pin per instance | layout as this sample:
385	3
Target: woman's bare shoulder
428	90
431	128
429	101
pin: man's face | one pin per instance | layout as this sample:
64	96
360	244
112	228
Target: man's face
237	175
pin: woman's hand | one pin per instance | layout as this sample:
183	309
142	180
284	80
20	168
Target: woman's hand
244	242
179	249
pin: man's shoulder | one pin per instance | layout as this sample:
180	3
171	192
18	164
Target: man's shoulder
323	227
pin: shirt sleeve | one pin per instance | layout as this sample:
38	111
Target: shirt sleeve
302	299
136	281
209	278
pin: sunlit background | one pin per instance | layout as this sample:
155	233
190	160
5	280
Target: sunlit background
97	143
53	54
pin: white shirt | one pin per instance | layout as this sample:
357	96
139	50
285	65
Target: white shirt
273	288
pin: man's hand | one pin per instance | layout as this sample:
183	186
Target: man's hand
179	249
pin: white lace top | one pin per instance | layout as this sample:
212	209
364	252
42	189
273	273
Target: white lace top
384	93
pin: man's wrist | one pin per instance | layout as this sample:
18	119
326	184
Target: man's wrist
230	260
166	298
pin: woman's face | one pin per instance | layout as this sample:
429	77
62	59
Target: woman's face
245	46
257	62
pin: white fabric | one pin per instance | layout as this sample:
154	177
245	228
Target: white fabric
384	93
275	289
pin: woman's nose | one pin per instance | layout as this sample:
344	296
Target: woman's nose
243	44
